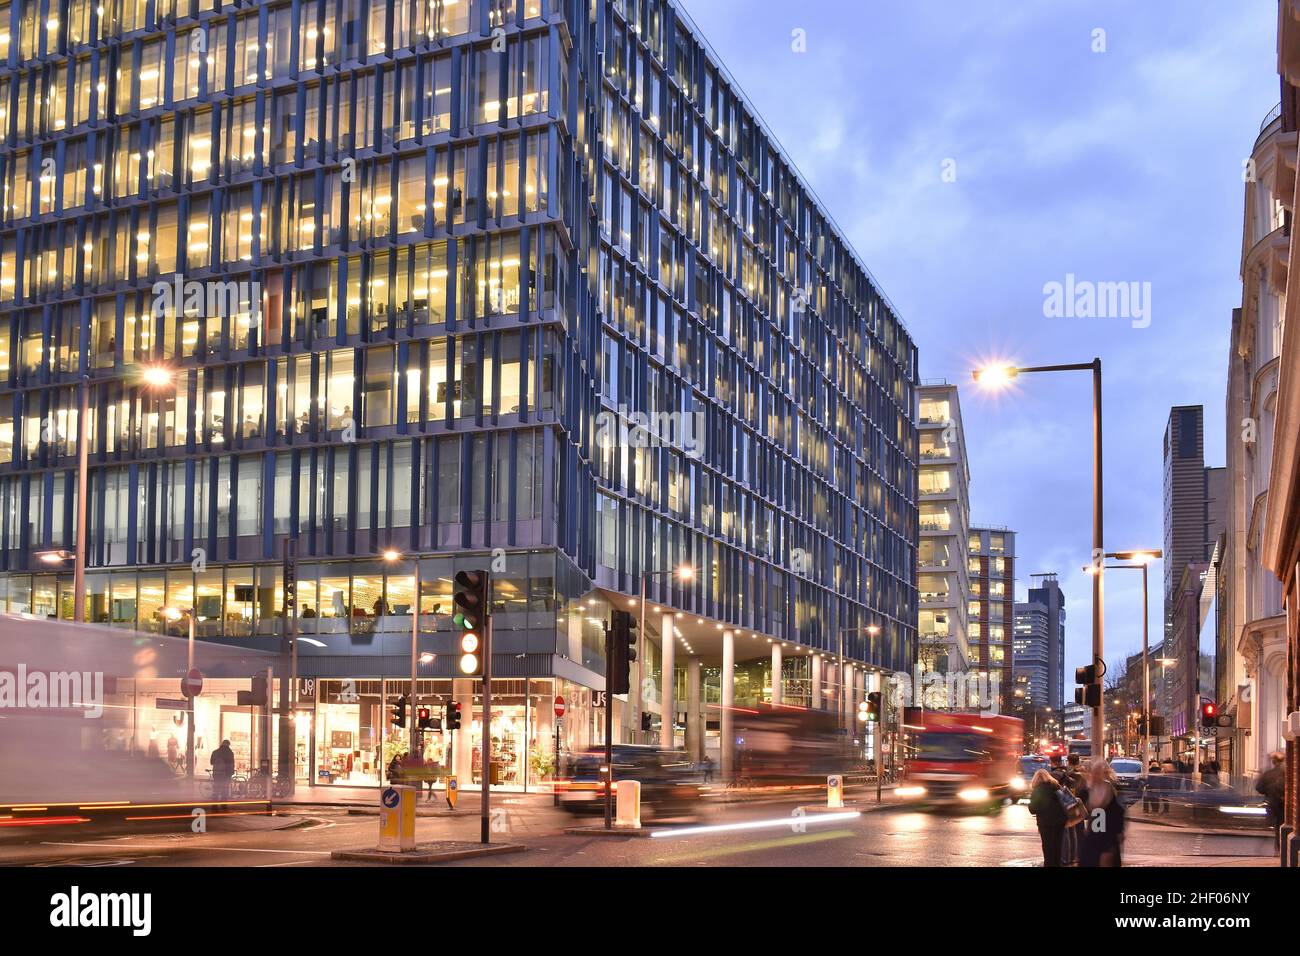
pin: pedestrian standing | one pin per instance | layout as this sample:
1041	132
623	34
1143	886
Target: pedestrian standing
1071	780
1210	772
1102	838
1049	814
1272	786
223	768
1153	790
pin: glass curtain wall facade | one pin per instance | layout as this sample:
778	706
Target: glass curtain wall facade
403	261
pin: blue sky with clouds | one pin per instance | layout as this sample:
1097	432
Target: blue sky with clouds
1122	165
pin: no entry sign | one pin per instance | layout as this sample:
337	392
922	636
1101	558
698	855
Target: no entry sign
559	707
192	686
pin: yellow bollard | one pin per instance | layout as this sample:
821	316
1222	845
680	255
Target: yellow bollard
835	791
453	791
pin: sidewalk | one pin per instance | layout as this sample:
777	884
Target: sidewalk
368	797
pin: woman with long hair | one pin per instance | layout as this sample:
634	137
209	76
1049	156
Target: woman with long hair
1102	836
1049	813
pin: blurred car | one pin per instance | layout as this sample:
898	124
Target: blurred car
1129	774
1179	798
1026	767
671	785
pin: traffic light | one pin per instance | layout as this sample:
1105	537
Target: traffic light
471	616
1157	728
451	719
621	651
1089	691
398	717
424	718
257	697
873	702
1209	714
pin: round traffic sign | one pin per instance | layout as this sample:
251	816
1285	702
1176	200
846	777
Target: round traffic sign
559	707
192	685
390	798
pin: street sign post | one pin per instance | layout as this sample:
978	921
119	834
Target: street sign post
559	707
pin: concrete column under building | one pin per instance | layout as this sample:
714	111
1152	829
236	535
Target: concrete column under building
694	721
776	672
816	682
668	694
727	738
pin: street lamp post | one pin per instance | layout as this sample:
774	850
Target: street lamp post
154	377
1002	375
83	481
873	630
392	556
175	614
1141	560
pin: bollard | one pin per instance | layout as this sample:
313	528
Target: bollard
453	791
629	804
834	791
397	818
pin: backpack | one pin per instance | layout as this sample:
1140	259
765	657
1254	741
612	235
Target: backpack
1074	811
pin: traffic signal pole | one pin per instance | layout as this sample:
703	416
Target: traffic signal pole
415	644
484	828
609	725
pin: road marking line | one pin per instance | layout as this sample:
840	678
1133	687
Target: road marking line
224	849
261	866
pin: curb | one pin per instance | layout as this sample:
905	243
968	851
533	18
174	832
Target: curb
374	812
1210	831
462	851
632	832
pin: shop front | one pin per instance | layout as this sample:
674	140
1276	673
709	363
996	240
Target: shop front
356	734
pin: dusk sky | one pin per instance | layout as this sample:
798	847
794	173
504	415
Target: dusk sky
1122	165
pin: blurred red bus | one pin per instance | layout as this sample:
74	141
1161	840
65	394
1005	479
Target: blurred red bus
960	759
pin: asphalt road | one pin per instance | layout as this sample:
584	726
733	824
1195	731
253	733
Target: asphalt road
778	837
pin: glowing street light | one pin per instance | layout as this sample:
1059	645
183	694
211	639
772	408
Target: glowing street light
995	376
157	376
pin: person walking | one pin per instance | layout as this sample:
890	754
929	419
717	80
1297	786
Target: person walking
1272	786
1049	814
223	768
1102	838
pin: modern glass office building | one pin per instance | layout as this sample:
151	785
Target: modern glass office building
512	283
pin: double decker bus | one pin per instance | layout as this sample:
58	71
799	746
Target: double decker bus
960	759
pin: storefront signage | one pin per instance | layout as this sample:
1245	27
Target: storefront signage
597	698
